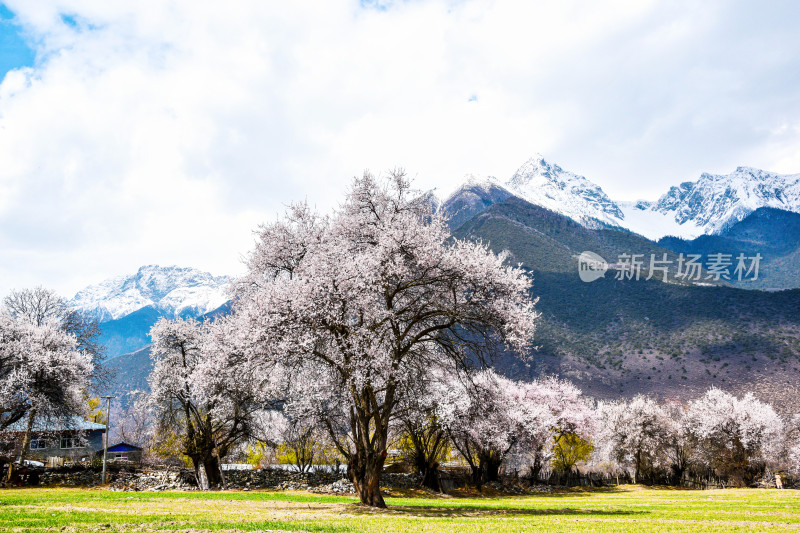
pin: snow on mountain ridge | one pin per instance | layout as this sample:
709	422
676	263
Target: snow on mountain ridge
550	186
642	219
484	183
693	208
472	197
174	291
716	201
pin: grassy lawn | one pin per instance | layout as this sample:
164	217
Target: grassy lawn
624	509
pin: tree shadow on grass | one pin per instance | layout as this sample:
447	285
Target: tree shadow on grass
580	492
480	511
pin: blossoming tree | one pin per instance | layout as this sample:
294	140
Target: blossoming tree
43	373
489	417
793	445
201	384
354	304
735	436
40	305
634	433
485	420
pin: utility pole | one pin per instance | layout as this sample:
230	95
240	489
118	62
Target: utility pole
108	428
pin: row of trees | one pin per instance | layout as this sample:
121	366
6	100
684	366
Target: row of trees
493	423
374	324
527	426
734	439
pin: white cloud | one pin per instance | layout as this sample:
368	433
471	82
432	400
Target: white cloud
164	131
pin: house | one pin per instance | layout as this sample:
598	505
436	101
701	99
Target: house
58	441
123	452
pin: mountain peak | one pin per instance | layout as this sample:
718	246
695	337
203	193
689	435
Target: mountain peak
715	201
173	290
753	171
550	186
472	197
538	166
538	159
473	180
708	205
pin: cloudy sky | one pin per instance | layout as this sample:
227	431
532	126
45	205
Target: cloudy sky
164	131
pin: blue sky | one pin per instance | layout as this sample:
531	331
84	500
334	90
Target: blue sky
166	135
15	51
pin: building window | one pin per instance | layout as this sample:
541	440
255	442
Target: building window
38	444
70	442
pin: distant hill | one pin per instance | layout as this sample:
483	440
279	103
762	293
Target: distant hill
473	197
130	373
547	241
130	369
773	233
128	333
132	332
618	338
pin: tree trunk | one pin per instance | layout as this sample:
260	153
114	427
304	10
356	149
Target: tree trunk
536	467
477	477
490	461
213	471
490	470
365	471
427	467
677	474
26	442
428	440
430	477
208	472
200	475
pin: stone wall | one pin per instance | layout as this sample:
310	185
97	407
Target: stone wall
183	479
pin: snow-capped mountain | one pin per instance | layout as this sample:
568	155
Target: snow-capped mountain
552	187
707	206
714	202
173	291
541	183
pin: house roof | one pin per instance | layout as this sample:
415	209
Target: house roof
74	423
124	447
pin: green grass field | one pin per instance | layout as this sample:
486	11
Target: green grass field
623	509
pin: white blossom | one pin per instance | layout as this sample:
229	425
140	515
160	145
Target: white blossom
355	307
